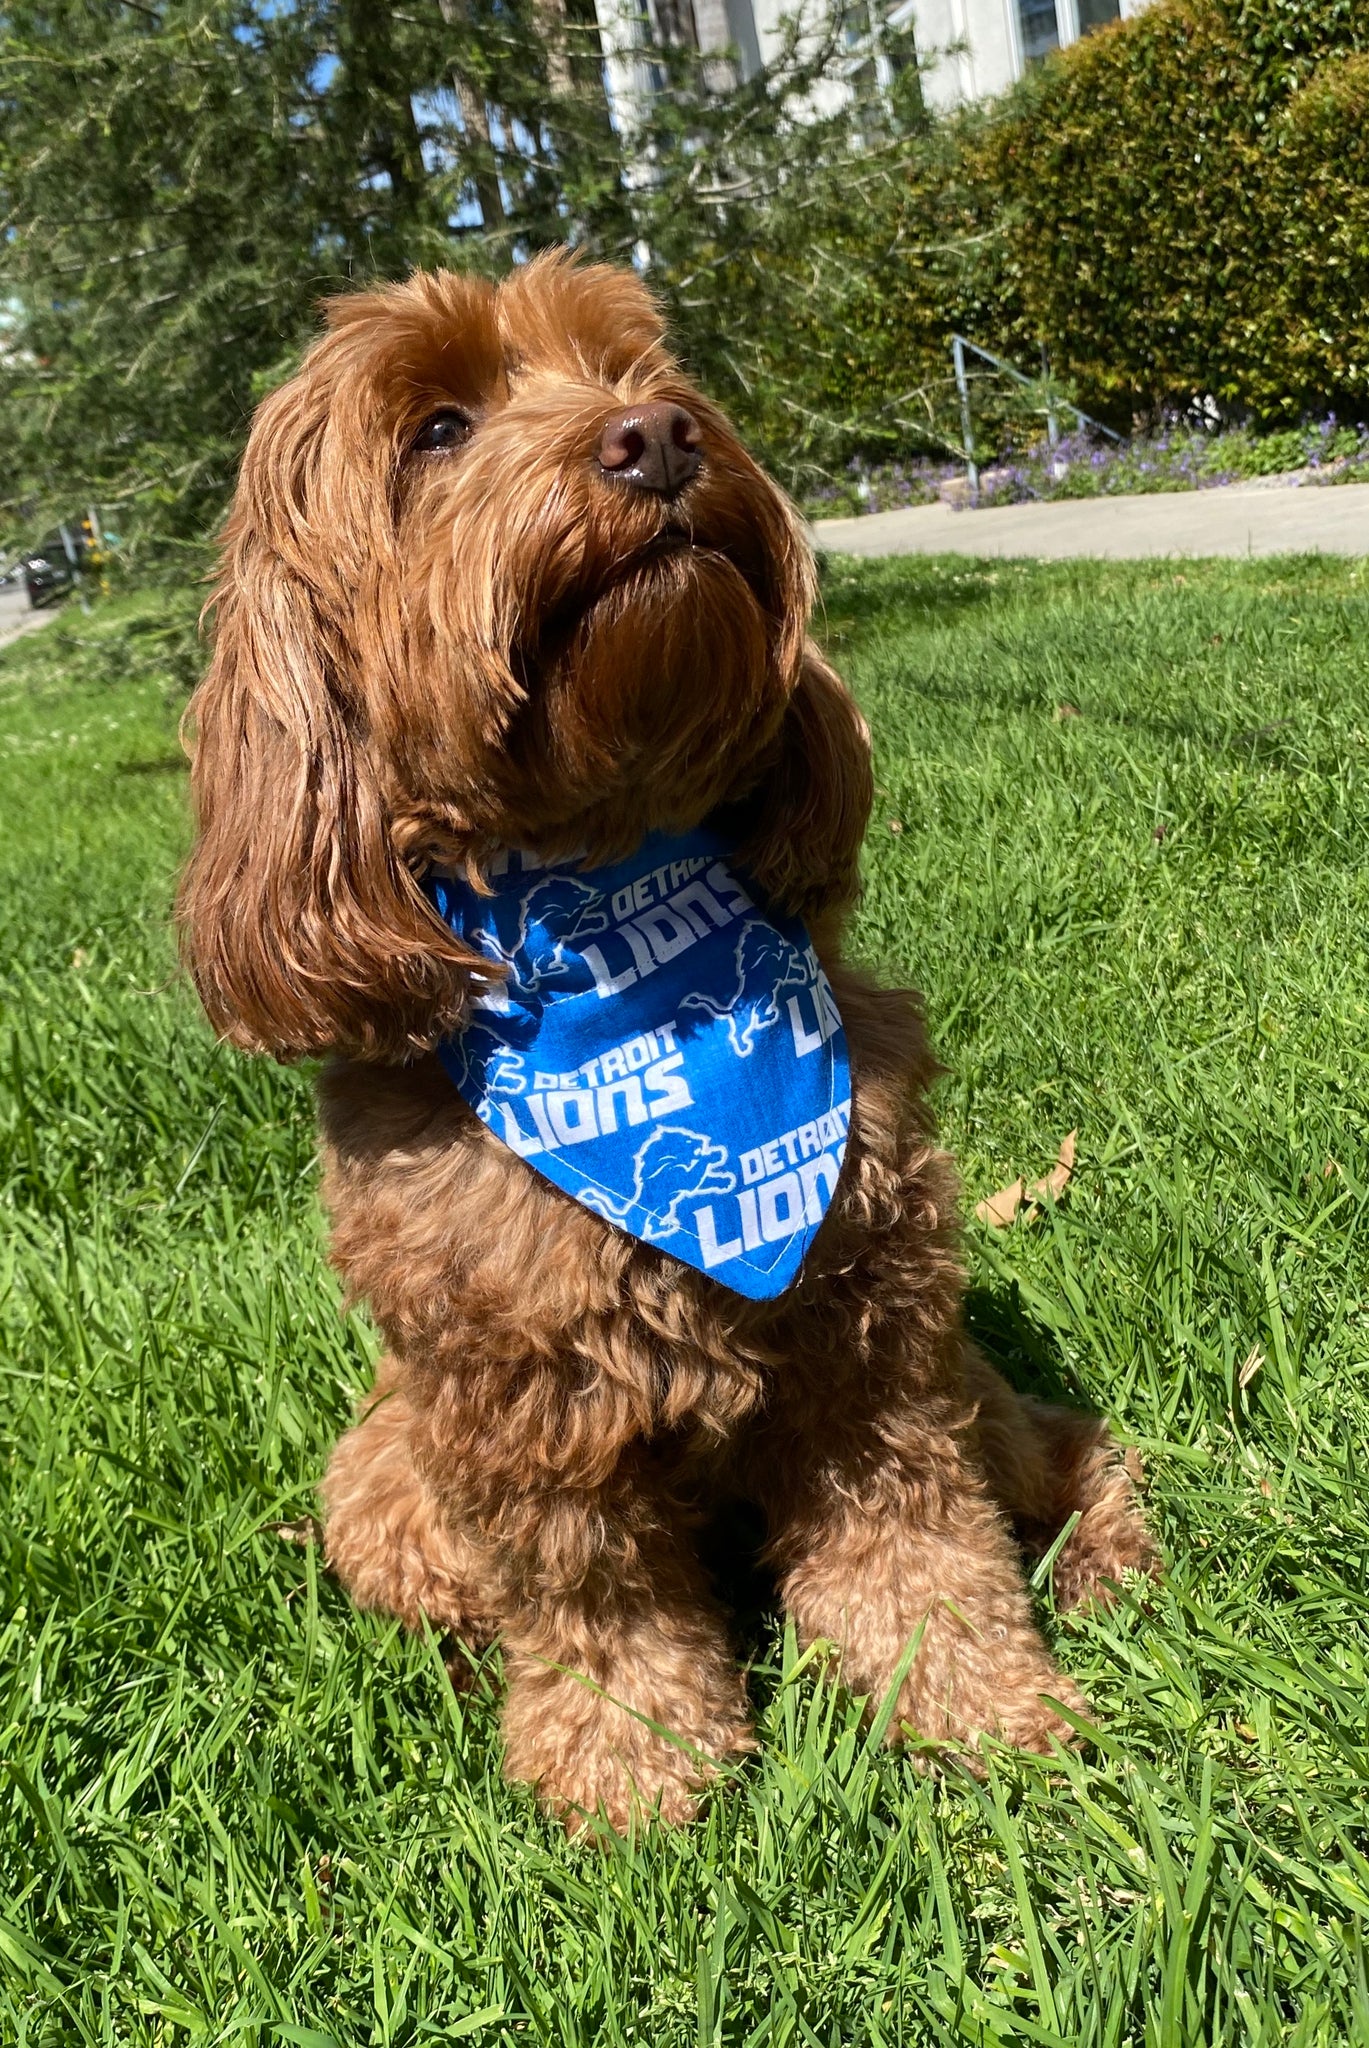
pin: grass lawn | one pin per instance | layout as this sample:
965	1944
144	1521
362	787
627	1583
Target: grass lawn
1131	871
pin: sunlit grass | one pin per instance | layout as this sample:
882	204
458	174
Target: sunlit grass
1132	876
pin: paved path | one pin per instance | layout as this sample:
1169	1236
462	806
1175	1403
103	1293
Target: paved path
1236	519
17	616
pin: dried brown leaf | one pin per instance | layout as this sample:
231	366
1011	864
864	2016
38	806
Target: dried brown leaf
1250	1365
1003	1209
1058	1179
1000	1210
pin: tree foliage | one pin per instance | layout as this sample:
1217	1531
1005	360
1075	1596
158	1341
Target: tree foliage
1175	208
163	235
182	180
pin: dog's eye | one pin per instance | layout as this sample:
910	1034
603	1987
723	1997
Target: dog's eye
442	431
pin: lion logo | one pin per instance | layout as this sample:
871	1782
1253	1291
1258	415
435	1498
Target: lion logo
486	1061
568	911
767	963
673	1166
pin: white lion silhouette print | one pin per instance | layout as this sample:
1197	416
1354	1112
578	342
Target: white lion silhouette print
767	965
673	1166
485	1056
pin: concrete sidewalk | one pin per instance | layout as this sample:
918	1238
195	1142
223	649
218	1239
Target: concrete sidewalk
17	617
1234	519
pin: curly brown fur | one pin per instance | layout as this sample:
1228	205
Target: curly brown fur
425	656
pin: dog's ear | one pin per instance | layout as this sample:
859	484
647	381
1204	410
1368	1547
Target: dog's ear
807	817
302	927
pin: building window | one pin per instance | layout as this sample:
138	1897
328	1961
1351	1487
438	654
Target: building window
740	19
1040	29
1097	14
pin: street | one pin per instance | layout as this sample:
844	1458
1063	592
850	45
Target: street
17	617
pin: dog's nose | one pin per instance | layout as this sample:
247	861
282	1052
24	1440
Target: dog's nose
652	447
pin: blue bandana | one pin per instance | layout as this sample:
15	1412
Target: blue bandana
662	1050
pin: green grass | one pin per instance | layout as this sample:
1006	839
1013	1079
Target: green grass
234	1810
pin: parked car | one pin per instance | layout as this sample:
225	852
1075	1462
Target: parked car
69	552
50	572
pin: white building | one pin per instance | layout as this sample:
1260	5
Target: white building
967	49
975	49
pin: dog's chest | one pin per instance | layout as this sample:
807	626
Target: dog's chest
698	1405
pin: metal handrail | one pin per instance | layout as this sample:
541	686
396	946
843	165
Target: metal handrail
959	344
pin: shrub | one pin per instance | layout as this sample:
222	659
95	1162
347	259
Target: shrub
1188	208
1320	180
827	331
1177	207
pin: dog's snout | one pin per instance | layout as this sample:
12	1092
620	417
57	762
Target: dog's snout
652	447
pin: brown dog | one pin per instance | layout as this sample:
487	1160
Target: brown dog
498	576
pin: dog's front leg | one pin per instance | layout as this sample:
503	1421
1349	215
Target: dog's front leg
885	1535
623	1689
386	1535
621	1686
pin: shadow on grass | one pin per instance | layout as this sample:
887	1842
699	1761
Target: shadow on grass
1024	1351
1288	745
856	605
163	764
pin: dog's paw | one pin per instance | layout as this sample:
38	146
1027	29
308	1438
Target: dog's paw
963	1708
655	1784
593	1760
1110	1539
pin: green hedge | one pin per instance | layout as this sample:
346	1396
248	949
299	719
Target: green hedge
827	331
1187	202
1177	207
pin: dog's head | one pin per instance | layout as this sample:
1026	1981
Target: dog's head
495	574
